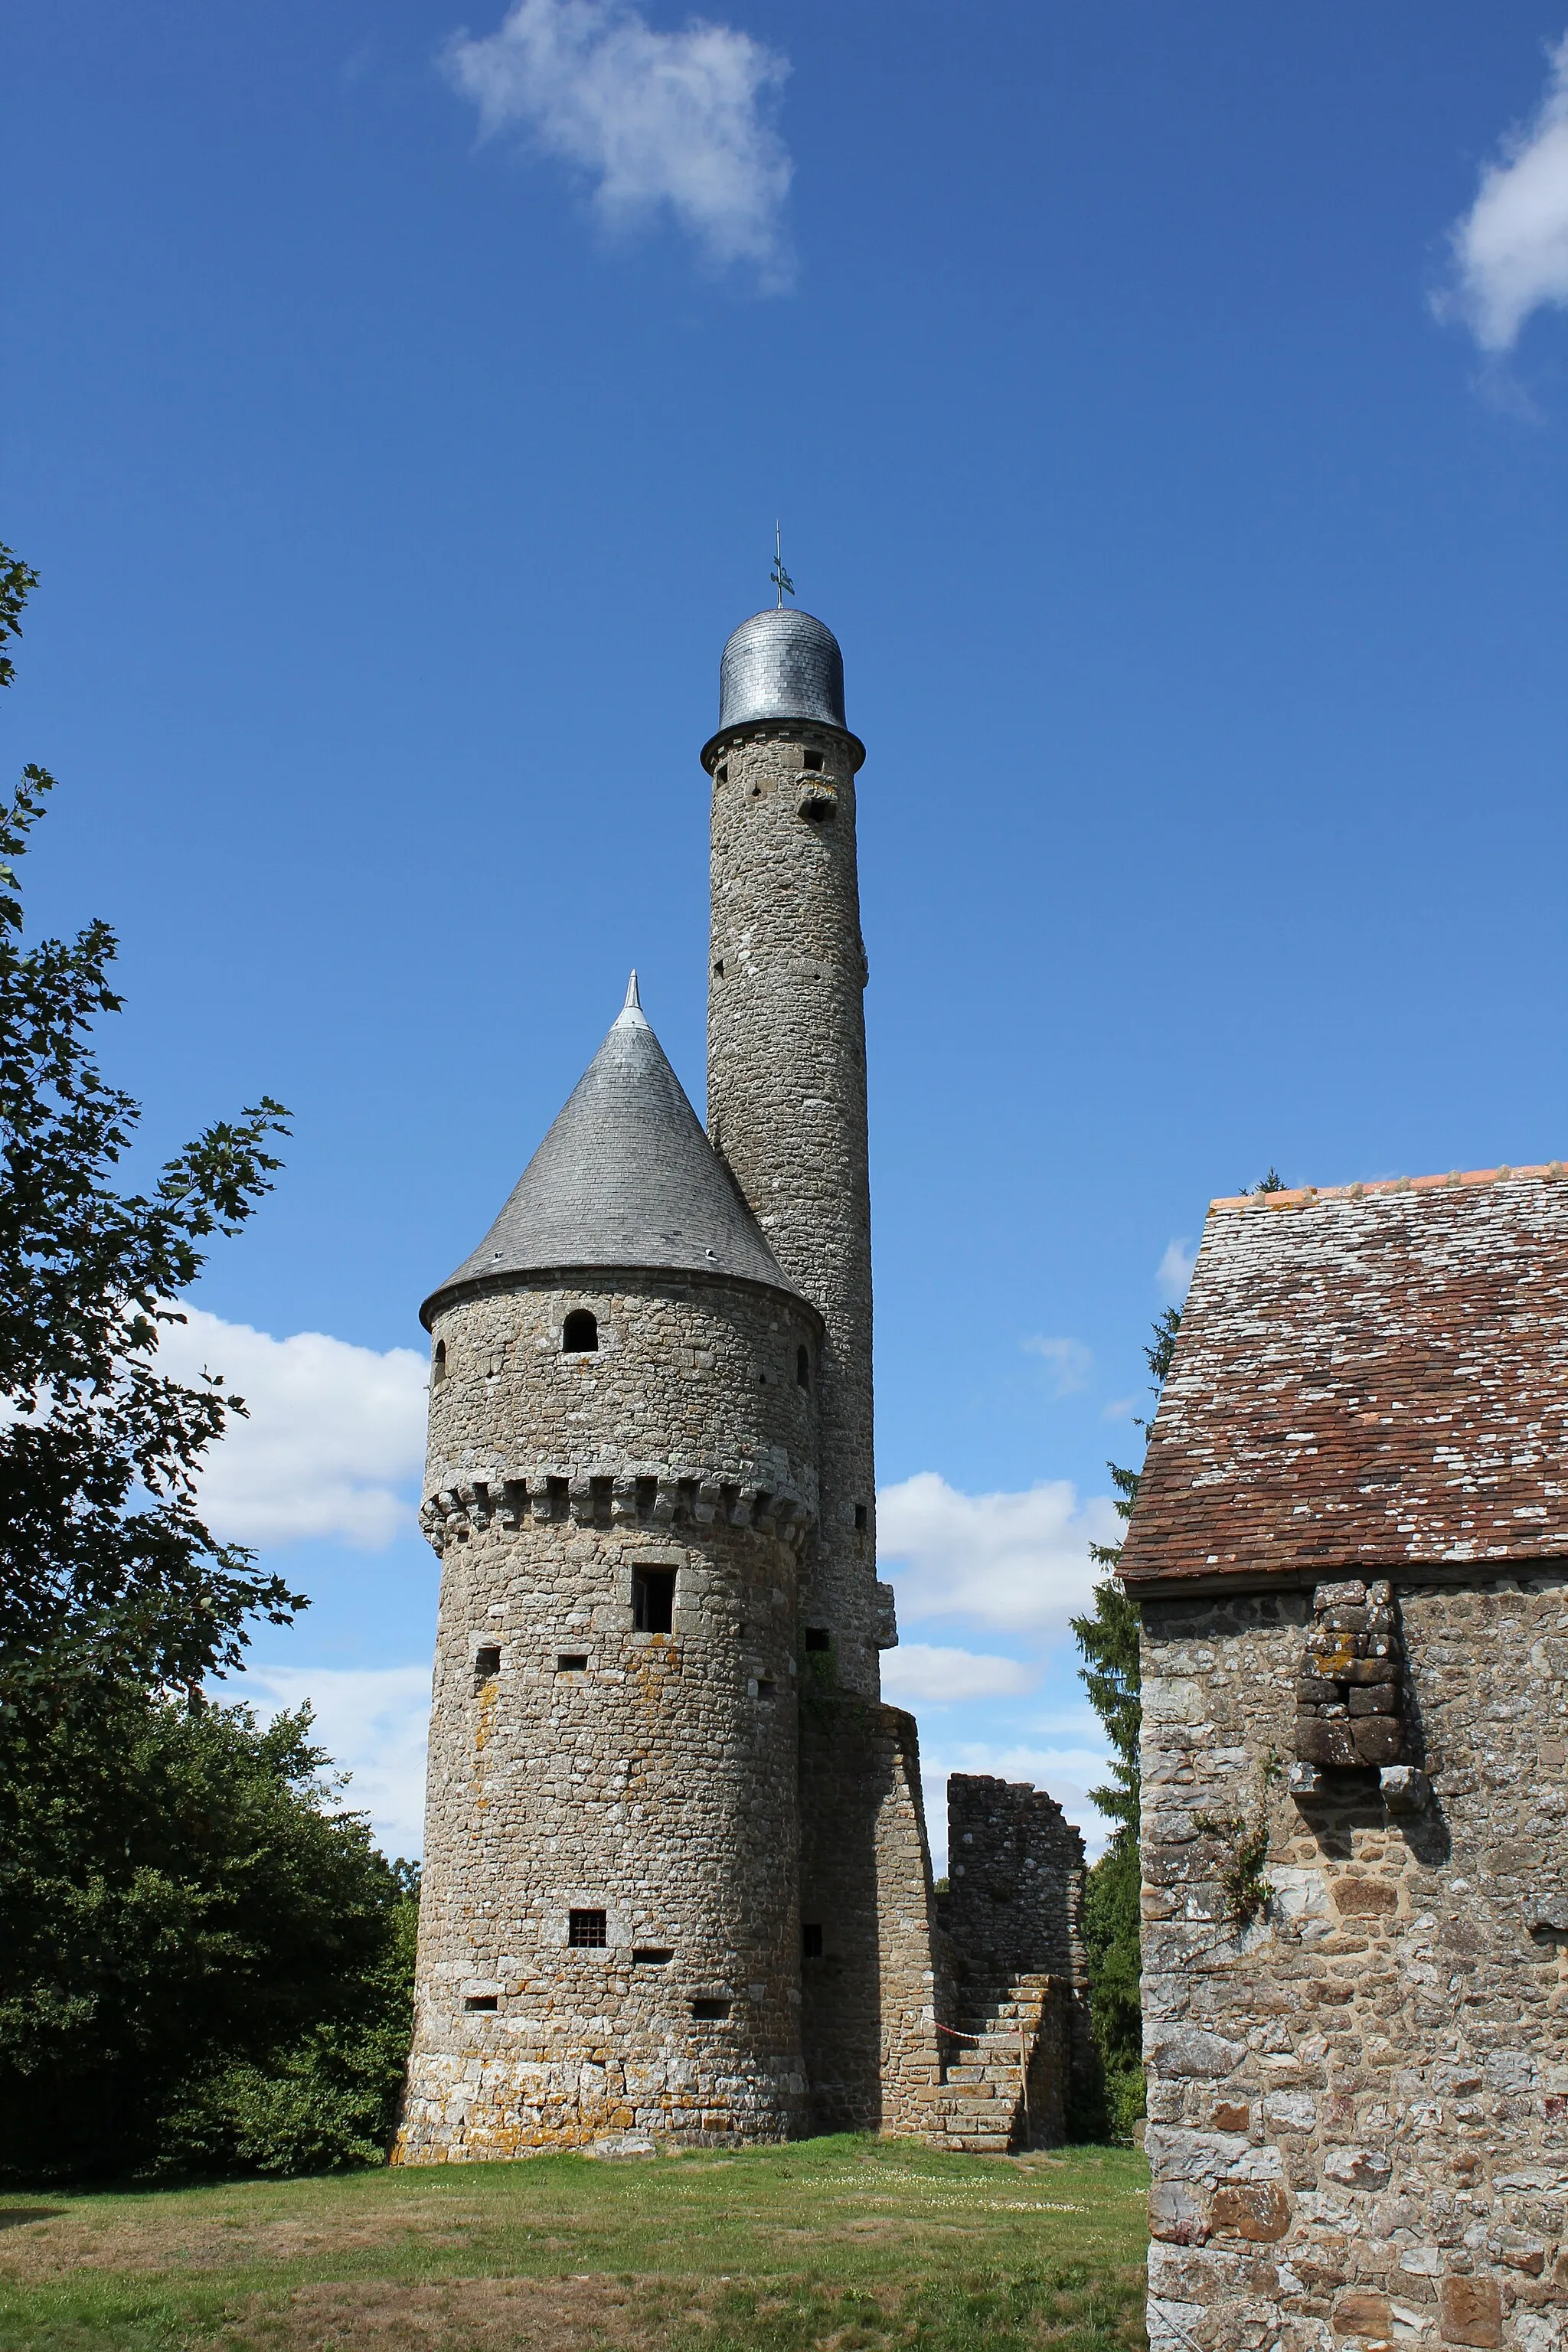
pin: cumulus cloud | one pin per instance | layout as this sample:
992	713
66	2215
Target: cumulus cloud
335	1433
1019	1560
1511	249
1174	1271
942	1677
1065	1773
657	122
373	1723
1071	1364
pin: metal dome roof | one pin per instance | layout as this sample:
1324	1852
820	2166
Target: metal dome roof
782	664
625	1179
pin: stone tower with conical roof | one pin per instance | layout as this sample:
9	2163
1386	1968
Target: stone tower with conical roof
677	1878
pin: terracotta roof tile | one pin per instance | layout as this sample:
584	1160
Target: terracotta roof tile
1373	1375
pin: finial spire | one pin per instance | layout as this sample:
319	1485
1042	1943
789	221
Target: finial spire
778	575
631	1014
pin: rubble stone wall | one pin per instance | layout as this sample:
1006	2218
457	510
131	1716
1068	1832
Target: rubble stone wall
1358	2097
786	1105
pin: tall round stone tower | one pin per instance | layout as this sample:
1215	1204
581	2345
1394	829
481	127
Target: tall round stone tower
787	1060
621	1479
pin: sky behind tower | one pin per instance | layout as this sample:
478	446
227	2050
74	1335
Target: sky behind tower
1167	411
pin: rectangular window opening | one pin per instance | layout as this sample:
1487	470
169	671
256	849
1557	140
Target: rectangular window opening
810	1940
648	1955
710	2009
812	759
765	1688
487	1661
571	1662
480	2001
586	1931
653	1600
818	1637
862	1516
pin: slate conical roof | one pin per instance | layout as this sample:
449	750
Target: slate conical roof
626	1178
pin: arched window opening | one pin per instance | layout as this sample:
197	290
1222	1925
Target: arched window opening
579	1333
803	1368
438	1363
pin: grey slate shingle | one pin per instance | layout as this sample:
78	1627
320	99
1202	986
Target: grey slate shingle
625	1179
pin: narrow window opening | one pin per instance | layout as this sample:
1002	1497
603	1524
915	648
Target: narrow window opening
571	1662
819	810
480	2001
721	772
766	1689
718	967
862	1516
803	1368
585	1930
762	1379
810	1940
559	1491
647	1956
579	1333
438	1364
812	759
818	1637
647	1496
710	2010
653	1600
757	791
487	1663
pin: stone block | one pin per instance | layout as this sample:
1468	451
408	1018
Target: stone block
1257	2211
1374	1698
1470	2311
1379	1739
1176	2215
1547	1914
1363	2312
1358	2168
1330	1744
1405	1789
1192	2052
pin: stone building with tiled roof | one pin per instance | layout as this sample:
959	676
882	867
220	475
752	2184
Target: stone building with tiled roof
1350	1550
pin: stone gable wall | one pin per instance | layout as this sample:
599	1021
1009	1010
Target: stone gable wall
1358	2103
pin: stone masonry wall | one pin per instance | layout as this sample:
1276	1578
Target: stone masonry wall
1358	2100
578	1763
787	1106
868	1997
1015	1907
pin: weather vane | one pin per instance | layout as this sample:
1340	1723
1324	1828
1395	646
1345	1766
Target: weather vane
778	575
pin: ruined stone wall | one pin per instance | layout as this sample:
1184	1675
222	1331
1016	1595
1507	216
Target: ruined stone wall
578	1763
787	1106
1357	2101
1015	1876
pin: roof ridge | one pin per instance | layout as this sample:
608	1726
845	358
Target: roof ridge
1302	1196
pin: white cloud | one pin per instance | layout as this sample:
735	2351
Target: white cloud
1174	1271
1511	249
372	1722
942	1677
1065	1773
334	1432
1019	1560
1119	1409
1071	1362
656	120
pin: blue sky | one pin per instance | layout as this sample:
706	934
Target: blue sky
1166	408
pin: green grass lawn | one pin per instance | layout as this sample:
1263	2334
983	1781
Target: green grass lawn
846	2244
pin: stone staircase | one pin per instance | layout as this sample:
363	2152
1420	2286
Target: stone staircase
979	2105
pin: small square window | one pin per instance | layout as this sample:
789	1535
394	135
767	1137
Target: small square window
586	1930
571	1662
810	1940
710	2010
487	1661
648	1955
653	1600
812	759
480	2001
818	1637
766	1689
